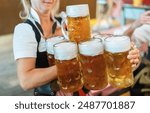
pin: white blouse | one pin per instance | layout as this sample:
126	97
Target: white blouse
24	40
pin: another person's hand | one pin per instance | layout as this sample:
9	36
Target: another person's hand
134	56
144	19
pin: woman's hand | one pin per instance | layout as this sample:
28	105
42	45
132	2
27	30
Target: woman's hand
61	93
134	56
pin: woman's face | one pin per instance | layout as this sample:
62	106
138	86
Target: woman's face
43	6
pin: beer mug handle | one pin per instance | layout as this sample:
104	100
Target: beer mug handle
64	31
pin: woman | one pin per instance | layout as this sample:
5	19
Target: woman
25	45
30	53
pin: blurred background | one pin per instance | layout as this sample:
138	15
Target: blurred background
119	13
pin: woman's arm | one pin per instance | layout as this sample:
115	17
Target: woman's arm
31	77
144	19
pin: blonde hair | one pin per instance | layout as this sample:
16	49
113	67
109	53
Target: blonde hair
27	5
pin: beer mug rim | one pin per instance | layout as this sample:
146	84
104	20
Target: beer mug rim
103	35
116	36
65	53
91	49
114	45
50	44
79	10
91	39
64	42
55	37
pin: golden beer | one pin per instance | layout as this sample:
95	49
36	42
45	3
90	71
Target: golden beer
78	23
68	67
118	66
93	64
79	28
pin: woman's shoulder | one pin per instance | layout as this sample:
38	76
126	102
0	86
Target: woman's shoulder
24	31
22	27
24	42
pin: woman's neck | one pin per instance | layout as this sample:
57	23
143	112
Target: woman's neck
44	18
46	23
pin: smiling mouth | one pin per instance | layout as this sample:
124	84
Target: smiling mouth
47	2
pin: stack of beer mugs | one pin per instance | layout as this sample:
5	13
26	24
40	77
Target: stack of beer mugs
89	62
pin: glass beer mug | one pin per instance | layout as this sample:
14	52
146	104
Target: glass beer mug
78	23
118	65
93	64
50	42
68	68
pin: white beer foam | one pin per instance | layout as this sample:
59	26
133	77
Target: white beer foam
65	51
91	48
117	44
51	42
77	10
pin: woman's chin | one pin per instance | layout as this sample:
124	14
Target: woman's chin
48	5
45	9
